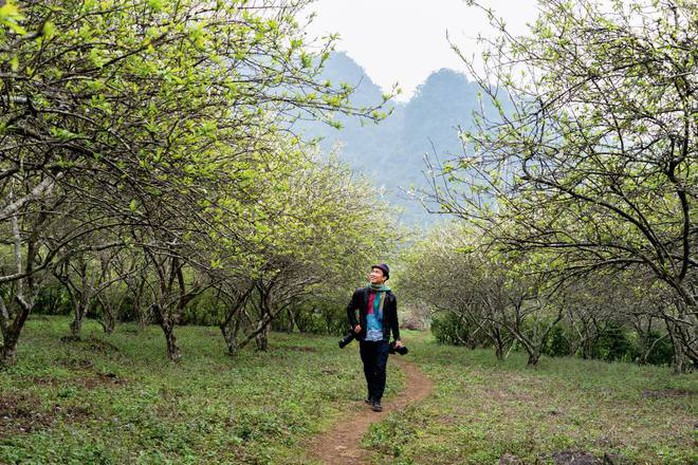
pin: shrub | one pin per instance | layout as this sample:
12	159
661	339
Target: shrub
662	352
450	328
52	299
557	343
614	343
205	310
318	317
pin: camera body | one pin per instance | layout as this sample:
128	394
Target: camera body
402	350
350	336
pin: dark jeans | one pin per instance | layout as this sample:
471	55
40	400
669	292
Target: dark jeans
375	358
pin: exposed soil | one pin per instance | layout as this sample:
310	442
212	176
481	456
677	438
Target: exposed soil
342	444
21	413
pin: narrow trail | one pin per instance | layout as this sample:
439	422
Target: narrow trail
341	445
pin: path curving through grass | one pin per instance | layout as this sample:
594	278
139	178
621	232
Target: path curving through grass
341	445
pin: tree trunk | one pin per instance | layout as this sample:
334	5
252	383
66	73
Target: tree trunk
688	342
291	322
108	320
231	339
533	357
498	343
678	358
138	307
80	292
11	330
24	296
230	327
8	349
680	329
173	352
168	326
262	338
265	317
79	315
76	325
262	327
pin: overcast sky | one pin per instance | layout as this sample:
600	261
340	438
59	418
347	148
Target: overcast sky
405	40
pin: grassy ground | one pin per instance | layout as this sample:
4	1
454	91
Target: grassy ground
116	399
483	410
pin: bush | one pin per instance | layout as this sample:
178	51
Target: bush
126	312
318	317
663	351
557	343
205	310
52	299
450	328
614	343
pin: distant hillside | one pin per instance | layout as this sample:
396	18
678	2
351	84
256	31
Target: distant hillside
392	152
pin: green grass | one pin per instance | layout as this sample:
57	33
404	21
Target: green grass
115	399
483	409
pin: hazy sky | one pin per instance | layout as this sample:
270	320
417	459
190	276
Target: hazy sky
405	40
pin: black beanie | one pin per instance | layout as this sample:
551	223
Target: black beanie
384	268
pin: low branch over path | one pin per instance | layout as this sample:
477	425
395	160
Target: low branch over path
342	444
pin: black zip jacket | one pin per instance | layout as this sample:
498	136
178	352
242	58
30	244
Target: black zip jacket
359	301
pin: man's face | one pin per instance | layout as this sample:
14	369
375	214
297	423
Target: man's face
376	276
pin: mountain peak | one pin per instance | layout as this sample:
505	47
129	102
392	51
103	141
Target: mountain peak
341	68
446	82
392	152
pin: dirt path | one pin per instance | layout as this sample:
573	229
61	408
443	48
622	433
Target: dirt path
341	445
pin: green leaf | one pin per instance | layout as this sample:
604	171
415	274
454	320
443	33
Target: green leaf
49	30
10	15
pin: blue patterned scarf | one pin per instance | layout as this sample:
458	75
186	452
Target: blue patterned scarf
375	319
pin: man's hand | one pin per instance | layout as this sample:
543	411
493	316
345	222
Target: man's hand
398	344
357	329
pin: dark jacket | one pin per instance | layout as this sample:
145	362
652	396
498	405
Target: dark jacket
359	301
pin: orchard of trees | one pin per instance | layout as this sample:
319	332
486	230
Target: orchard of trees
148	167
149	172
577	203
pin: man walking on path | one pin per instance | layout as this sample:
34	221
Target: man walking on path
377	307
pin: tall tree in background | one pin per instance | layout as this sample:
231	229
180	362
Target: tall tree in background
597	161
